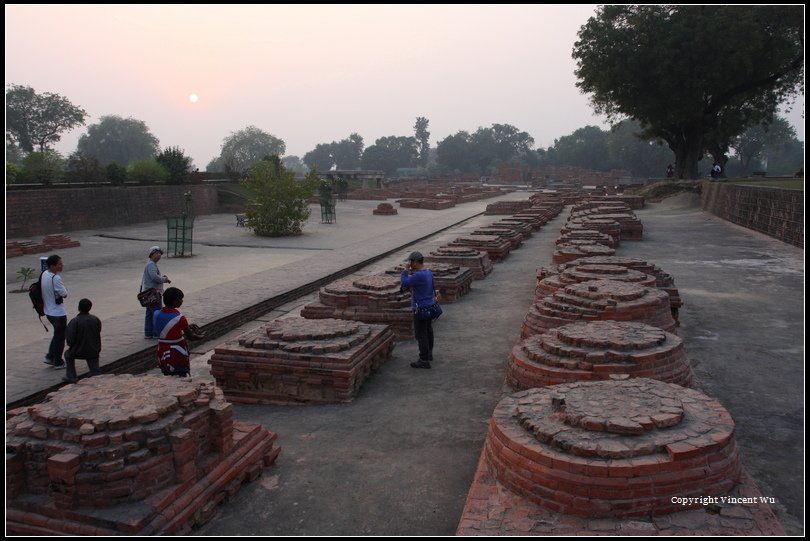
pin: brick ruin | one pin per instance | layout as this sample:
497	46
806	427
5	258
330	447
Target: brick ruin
590	235
373	299
607	226
507	207
477	261
298	360
452	281
497	248
131	455
549	281
599	300
384	209
613	448
522	227
514	237
577	249
596	350
663	280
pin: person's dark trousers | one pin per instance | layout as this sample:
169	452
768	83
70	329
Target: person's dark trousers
70	367
57	346
149	320
423	329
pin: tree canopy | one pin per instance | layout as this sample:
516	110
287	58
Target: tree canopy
391	153
422	135
120	140
485	148
693	76
344	154
768	146
39	119
247	146
278	203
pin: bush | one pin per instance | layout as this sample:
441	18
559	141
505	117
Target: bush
116	174
84	168
147	172
278	203
176	163
44	168
11	173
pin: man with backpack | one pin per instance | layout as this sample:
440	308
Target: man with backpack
53	297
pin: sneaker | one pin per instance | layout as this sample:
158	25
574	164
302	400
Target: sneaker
420	364
46	360
60	366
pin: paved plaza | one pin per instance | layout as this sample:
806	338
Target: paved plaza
400	458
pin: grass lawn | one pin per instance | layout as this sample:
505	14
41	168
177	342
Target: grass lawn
788	183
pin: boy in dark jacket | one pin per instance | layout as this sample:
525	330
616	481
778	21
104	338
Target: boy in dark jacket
84	341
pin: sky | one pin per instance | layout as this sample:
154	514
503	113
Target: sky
307	74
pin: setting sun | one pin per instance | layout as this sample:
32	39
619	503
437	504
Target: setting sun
193	98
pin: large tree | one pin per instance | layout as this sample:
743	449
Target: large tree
694	76
456	153
278	203
390	153
423	139
754	146
320	157
243	148
39	119
120	140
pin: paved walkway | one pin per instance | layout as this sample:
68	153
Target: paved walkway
231	270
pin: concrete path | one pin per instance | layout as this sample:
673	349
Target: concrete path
231	270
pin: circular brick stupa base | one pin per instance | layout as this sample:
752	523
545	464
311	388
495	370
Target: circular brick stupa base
156	453
613	448
595	351
599	300
375	299
297	360
384	209
477	261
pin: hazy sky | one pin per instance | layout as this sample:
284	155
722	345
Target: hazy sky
306	74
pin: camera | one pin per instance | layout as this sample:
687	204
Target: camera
59	300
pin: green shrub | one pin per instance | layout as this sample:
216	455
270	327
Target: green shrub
11	173
42	168
176	163
278	203
116	174
84	168
147	172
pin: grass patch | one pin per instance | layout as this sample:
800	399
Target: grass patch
786	183
656	191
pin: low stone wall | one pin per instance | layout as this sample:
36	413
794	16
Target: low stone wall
45	211
776	212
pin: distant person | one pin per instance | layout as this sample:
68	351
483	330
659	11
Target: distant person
420	281
670	171
54	294
153	279
84	341
174	332
717	170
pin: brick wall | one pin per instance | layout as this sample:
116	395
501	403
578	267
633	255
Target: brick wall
774	211
46	211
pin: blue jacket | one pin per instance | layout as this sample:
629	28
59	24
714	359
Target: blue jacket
421	285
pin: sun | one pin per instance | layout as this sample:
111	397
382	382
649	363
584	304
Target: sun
193	98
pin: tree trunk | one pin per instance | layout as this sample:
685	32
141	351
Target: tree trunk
687	149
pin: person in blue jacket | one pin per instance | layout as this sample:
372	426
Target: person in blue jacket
420	281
